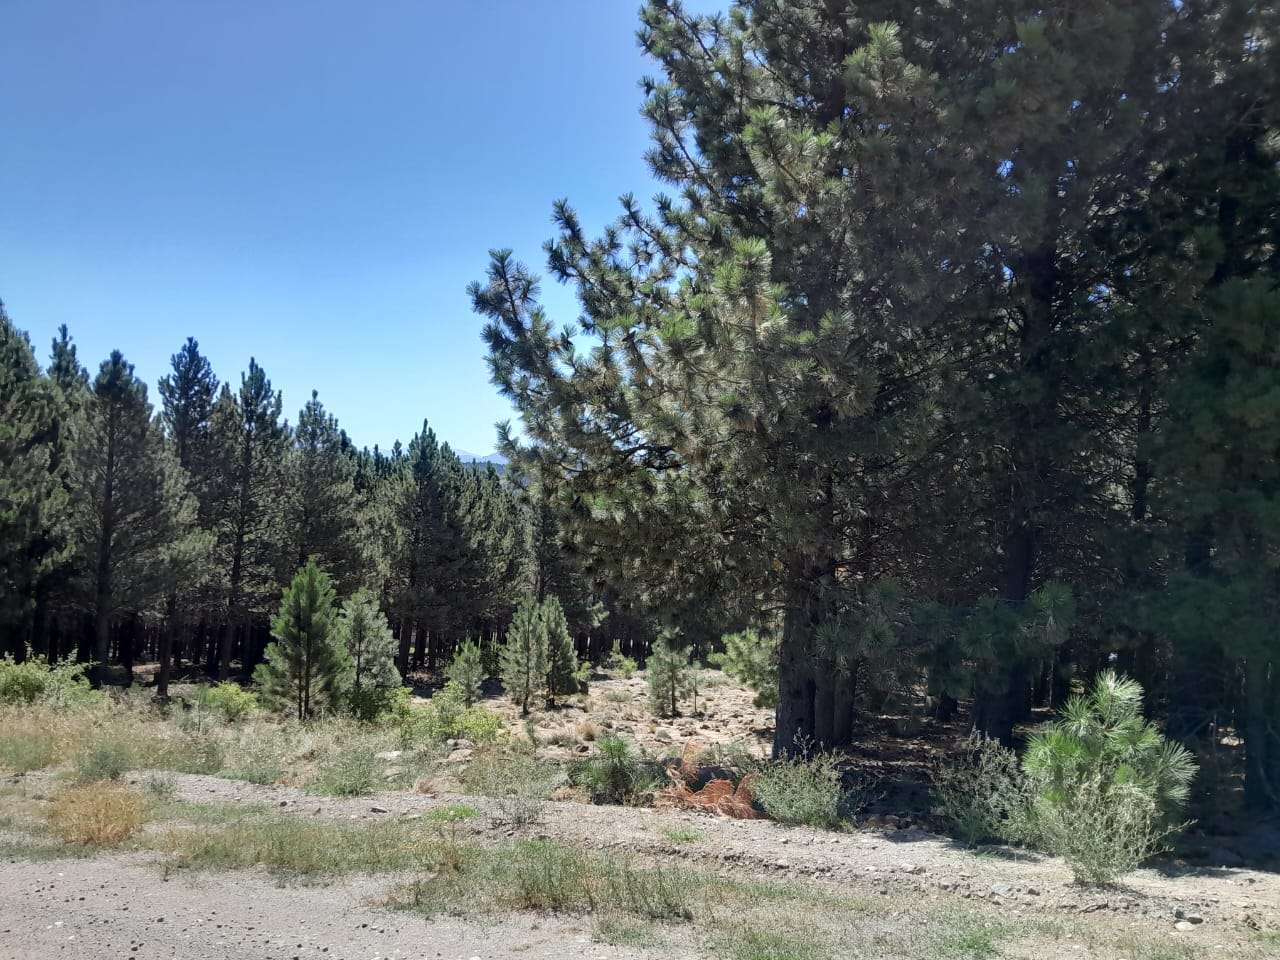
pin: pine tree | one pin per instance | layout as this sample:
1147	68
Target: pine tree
250	444
32	495
188	394
323	506
307	669
363	630
133	518
524	656
467	671
562	655
668	670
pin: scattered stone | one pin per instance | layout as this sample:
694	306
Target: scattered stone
1184	925
1001	890
377	809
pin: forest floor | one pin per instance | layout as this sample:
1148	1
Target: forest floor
225	868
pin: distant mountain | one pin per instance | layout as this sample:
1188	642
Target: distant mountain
497	459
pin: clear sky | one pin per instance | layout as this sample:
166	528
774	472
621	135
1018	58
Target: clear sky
313	183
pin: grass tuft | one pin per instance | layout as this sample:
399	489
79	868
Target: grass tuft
97	814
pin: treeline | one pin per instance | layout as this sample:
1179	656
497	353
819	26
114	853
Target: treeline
131	530
951	361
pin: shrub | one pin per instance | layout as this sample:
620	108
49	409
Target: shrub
36	681
804	791
669	682
982	793
616	772
466	671
228	700
1102	764
751	658
1102	830
516	779
96	814
447	717
352	772
371	647
103	759
373	704
620	663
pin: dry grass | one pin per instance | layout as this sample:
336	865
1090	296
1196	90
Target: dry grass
97	814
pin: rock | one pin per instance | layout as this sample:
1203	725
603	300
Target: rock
389	755
1001	889
377	809
1184	926
912	868
461	755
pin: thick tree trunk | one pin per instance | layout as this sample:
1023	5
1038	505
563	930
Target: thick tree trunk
794	731
1261	736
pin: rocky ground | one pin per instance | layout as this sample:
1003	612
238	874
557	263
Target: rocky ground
126	905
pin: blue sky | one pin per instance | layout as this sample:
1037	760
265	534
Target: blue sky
313	183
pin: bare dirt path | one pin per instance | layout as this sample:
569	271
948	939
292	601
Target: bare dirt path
123	907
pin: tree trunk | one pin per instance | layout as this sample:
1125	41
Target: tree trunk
795	714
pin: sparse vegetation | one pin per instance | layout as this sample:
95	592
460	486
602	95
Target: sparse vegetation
516	779
619	663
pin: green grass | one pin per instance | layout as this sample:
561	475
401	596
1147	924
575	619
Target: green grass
964	935
753	944
22	751
682	835
298	847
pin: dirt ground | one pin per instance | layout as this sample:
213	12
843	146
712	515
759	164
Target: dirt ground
127	906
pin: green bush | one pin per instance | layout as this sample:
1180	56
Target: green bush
982	792
805	791
1102	764
619	663
103	759
228	700
616	773
374	704
447	717
1103	830
36	681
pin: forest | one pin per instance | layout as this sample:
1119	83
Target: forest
890	538
949	364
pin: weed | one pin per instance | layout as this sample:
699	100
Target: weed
96	814
353	772
683	834
299	847
517	779
159	788
22	751
104	759
982	792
